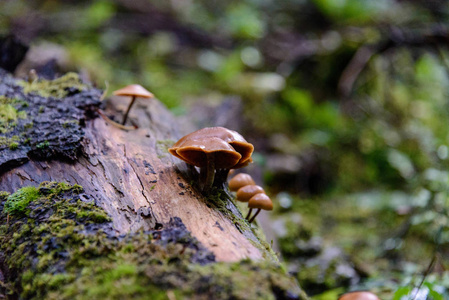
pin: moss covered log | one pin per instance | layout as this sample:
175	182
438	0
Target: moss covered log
43	119
129	222
129	173
55	243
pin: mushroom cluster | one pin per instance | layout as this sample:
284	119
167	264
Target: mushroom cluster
213	150
248	191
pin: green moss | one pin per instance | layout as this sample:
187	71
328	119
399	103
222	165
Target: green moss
67	124
57	88
7	141
3	195
8	117
7	113
10	113
13	101
13	146
4	100
17	203
43	145
162	147
59	249
295	233
222	201
120	280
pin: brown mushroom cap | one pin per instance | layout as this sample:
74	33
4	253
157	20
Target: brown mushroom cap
239	181
230	136
242	164
260	201
195	153
361	295
246	192
134	90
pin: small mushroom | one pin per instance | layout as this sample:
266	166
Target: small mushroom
240	180
359	295
259	201
246	192
208	154
134	91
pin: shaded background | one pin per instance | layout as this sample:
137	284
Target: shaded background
345	101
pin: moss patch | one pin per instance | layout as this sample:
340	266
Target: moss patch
17	203
162	147
58	88
58	245
221	200
43	119
8	141
8	117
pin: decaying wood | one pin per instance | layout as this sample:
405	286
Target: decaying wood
134	179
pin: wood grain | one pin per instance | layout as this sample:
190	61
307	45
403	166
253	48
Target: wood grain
131	175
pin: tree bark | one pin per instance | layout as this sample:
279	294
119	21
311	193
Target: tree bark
132	177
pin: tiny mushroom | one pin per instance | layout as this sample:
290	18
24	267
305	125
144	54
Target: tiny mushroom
259	201
359	295
134	91
246	192
213	148
240	180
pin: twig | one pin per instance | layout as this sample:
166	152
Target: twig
105	92
118	125
396	37
432	262
354	68
426	273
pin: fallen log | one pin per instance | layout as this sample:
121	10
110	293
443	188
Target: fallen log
56	142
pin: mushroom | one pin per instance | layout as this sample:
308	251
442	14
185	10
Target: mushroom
240	180
359	295
230	140
230	136
134	91
259	201
246	192
208	154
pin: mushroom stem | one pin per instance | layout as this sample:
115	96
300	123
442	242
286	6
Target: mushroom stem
193	173
221	177
249	213
255	215
127	111
210	171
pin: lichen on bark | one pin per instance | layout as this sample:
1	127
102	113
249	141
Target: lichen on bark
43	119
58	244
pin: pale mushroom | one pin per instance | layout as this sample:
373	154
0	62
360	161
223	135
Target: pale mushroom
134	91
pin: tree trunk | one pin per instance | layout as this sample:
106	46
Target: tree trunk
128	173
